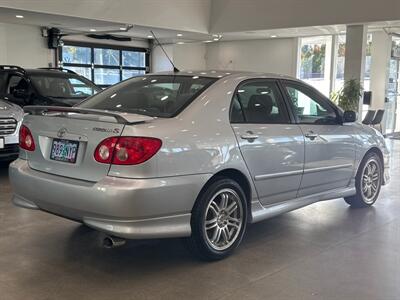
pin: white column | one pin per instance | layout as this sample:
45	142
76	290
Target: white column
354	67
380	56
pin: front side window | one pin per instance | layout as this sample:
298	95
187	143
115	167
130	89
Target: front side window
156	96
308	107
16	82
258	101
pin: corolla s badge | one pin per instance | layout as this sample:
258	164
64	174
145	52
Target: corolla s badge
110	130
61	133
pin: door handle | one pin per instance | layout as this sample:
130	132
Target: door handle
311	135
250	136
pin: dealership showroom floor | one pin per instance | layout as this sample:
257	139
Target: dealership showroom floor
143	140
324	251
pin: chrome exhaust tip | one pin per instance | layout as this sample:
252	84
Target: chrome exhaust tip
113	242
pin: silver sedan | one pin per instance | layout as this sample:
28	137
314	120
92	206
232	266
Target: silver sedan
197	155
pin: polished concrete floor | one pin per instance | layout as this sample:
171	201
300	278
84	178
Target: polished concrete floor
324	251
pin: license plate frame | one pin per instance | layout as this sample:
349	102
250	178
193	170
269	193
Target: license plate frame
69	158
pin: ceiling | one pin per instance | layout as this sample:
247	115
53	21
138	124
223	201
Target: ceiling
84	26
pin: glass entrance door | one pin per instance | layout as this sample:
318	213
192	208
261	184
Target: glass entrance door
392	95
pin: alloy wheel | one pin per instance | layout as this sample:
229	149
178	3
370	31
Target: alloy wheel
370	180
223	219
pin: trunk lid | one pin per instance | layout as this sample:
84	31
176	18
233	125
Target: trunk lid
86	128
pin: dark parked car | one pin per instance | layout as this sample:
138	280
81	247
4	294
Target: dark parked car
44	86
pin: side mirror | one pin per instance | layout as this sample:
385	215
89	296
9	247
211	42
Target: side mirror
349	116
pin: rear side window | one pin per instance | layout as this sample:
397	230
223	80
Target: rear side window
258	101
158	96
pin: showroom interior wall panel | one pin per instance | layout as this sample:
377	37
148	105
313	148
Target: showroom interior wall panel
24	46
270	55
239	15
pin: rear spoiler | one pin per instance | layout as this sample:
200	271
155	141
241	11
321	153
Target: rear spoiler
120	117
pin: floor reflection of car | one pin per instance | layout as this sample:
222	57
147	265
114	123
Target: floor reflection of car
10	121
196	155
45	86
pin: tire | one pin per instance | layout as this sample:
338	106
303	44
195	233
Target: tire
368	182
222	207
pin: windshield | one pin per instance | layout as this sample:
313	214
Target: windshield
157	95
67	86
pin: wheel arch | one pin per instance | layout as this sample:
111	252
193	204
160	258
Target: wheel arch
373	149
377	151
237	176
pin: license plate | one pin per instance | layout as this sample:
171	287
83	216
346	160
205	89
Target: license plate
1	143
64	150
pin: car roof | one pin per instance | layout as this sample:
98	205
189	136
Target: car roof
224	74
47	71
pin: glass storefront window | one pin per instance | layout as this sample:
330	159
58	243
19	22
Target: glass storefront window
315	62
104	76
77	55
340	60
105	66
107	57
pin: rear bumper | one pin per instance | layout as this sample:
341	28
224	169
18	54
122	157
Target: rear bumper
128	208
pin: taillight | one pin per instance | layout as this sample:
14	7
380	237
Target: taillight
105	150
127	150
26	141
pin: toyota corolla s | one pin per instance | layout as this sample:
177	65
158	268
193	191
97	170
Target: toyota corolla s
197	155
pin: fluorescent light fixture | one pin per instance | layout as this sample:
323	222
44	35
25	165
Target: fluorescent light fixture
215	35
150	36
180	43
208	41
92	29
19	16
122	28
179	34
216	39
274	36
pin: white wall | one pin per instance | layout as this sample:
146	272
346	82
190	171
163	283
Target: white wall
245	15
159	62
272	56
190	15
185	57
24	46
190	56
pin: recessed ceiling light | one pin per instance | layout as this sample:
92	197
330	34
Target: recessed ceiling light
179	34
274	36
19	16
92	29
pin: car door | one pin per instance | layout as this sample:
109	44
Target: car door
271	146
329	144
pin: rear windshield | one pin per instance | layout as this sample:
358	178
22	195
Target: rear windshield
67	86
157	96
